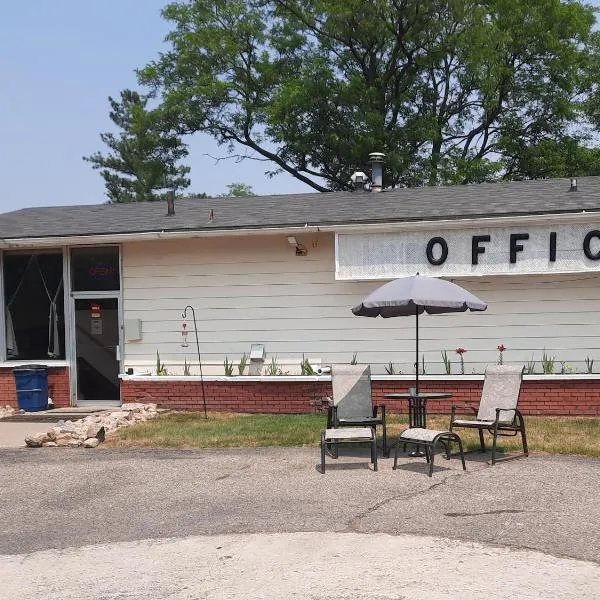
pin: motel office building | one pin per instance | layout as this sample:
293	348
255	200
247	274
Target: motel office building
96	292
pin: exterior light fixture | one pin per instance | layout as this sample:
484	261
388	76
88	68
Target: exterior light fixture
300	249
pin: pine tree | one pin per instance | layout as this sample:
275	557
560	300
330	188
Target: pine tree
141	164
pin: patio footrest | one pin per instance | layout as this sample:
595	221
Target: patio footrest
429	439
342	435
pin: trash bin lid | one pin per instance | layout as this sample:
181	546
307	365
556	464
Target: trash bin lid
30	368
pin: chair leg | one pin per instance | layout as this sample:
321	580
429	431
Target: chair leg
374	450
386	451
431	451
494	443
523	434
460	449
323	453
397	447
481	441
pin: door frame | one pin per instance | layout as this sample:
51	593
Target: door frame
73	334
70	333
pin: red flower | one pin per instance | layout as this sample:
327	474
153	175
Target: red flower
460	350
501	348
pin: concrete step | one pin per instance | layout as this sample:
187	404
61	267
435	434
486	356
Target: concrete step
71	413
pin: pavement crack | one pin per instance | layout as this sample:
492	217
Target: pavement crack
355	523
486	512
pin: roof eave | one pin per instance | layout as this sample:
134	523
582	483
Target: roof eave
468	222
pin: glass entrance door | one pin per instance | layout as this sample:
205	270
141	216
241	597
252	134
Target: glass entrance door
97	350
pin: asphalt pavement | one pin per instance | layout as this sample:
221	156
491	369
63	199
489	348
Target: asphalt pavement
265	523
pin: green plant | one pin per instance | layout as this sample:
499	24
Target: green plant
273	367
160	367
530	367
306	367
389	369
589	364
423	365
186	368
243	363
547	363
228	365
447	362
354	360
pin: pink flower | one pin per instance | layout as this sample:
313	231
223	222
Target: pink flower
460	350
501	348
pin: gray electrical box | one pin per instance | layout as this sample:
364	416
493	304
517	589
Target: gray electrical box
257	352
133	330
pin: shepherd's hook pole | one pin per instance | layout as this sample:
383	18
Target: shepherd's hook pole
184	315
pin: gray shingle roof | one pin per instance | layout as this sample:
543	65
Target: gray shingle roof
337	208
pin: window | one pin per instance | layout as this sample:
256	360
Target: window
34	305
95	269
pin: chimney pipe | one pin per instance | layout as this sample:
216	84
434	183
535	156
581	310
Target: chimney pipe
170	203
573	187
376	160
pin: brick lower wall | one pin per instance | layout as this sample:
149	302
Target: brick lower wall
58	386
538	397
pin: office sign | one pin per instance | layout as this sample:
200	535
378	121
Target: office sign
472	252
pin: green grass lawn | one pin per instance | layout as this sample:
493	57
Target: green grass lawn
554	435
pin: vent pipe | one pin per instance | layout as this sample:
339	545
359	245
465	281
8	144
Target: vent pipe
573	187
170	203
376	160
358	179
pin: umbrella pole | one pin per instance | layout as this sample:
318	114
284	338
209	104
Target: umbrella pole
417	350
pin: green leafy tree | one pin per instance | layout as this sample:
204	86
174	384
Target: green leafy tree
453	91
238	190
142	160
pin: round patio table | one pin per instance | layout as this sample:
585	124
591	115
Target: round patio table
417	408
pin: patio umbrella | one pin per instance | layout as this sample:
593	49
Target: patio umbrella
414	296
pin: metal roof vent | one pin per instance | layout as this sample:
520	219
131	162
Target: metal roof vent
376	159
359	180
573	187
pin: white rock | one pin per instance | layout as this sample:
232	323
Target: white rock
96	431
49	444
91	442
35	440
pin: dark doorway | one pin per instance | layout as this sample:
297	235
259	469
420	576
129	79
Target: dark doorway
97	349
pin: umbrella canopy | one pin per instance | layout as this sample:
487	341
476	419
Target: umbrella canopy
414	296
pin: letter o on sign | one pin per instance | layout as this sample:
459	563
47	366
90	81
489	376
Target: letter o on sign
587	247
431	244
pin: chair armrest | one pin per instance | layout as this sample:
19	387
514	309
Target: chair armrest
331	416
499	410
379	408
463	406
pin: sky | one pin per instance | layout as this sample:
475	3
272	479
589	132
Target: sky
59	62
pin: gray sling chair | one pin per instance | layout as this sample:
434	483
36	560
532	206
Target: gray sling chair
352	404
498	412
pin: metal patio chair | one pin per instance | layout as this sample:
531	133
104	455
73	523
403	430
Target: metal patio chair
352	403
498	413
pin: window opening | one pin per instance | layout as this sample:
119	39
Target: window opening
34	308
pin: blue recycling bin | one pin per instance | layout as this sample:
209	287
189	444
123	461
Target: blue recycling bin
32	387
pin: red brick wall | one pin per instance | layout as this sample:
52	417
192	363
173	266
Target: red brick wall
58	386
538	397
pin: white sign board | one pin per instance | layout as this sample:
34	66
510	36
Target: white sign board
473	252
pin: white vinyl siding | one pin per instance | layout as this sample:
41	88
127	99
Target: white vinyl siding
255	290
